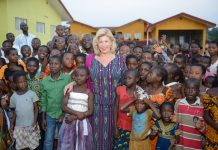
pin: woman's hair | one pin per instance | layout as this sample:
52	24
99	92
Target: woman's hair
100	33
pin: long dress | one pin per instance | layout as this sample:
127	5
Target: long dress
105	79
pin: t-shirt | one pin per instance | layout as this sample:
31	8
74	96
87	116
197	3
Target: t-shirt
24	108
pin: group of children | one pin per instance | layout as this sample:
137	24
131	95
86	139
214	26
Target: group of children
168	101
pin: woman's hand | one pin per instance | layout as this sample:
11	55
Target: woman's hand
68	88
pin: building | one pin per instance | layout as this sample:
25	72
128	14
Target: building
42	16
182	28
179	28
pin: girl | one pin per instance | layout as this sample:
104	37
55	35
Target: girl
76	131
67	63
122	121
210	115
141	115
25	110
166	130
213	50
143	71
26	52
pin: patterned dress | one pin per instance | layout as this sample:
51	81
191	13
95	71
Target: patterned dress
104	82
165	134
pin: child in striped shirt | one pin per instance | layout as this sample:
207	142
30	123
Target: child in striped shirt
189	112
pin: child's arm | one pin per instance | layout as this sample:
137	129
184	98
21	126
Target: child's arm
125	107
209	120
90	105
65	108
12	121
153	108
36	111
153	132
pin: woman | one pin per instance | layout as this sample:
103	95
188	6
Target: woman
106	73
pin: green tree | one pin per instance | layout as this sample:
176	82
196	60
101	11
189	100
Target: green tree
213	34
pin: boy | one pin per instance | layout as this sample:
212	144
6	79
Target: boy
132	61
189	113
52	95
36	43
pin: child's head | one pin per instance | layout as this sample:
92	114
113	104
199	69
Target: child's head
55	52
67	60
146	57
195	48
138	50
32	64
73	38
2	62
205	61
10	37
59	30
60	43
213	48
157	75
174	72
187	71
55	64
9	77
132	61
20	80
166	110
197	71
6	45
140	106
82	74
87	41
25	51
124	50
176	48
12	55
73	48
180	60
131	77
43	52
192	89
36	43
144	70
80	59
210	81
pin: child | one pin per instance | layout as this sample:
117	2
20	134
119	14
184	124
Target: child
206	62
24	121
43	56
36	43
52	95
197	72
80	59
213	50
123	123
167	131
155	78
189	112
173	88
138	50
14	63
210	115
76	130
209	82
73	48
60	44
141	127
180	60
5	139
124	50
143	71
67	63
26	52
146	57
131	61
60	30
187	71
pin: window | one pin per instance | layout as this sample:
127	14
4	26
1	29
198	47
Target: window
18	21
40	27
138	36
127	36
52	31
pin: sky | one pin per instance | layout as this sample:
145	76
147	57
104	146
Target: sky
113	13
